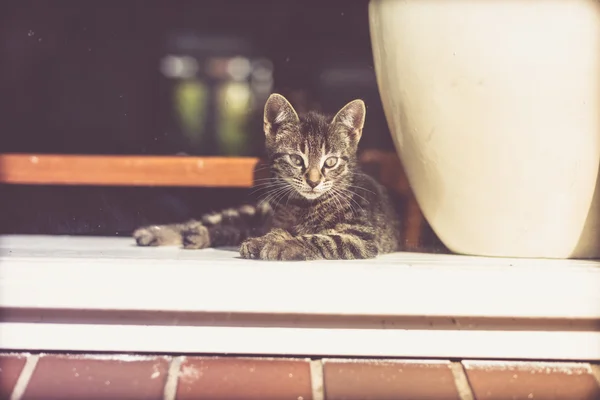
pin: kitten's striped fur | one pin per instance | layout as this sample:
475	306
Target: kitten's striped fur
319	204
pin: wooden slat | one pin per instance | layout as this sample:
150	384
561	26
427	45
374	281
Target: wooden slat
47	169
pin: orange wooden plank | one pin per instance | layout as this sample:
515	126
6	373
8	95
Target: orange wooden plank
51	169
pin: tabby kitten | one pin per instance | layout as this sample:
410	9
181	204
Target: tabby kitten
319	206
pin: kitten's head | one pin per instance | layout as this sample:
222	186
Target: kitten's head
313	153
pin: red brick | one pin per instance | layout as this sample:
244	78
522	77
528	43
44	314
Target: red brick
10	369
244	378
491	380
388	379
88	377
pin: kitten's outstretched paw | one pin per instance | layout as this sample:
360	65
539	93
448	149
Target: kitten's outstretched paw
285	250
148	236
279	250
196	237
251	248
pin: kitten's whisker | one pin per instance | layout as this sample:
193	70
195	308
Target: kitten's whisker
361	188
336	197
263	183
266	196
269	196
267	179
268	183
349	198
263	191
281	196
262	168
269	186
289	197
339	203
356	194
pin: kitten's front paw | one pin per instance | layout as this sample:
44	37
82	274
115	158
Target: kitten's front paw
285	250
278	250
149	236
196	237
251	248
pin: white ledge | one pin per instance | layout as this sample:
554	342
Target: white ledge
111	273
46	273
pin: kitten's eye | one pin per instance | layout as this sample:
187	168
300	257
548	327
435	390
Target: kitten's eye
296	160
331	162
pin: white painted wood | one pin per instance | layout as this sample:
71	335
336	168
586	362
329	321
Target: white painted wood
111	273
309	342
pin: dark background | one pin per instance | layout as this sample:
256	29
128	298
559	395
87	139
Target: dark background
165	77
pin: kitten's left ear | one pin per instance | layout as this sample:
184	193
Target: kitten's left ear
351	118
278	111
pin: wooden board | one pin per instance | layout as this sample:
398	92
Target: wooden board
52	169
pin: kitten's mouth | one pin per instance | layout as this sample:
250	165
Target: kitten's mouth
312	194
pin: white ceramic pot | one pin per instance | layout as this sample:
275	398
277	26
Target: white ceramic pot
494	107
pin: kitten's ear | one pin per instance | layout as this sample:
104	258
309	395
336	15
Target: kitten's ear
277	112
351	118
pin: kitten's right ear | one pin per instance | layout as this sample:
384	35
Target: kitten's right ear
277	112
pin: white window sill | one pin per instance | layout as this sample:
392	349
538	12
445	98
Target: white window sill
105	294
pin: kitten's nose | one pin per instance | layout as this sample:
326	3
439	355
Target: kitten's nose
312	184
313	178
